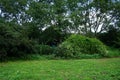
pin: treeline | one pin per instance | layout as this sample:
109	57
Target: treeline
17	41
48	27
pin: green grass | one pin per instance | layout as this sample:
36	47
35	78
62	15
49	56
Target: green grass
85	69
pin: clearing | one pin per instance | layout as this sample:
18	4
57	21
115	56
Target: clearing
84	69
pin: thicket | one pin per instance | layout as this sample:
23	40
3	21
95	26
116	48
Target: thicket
13	43
19	41
77	45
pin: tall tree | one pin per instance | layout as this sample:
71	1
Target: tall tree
13	10
95	16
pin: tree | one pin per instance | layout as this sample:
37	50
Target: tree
88	17
51	36
14	10
93	17
111	37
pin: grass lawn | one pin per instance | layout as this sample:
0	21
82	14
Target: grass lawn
85	69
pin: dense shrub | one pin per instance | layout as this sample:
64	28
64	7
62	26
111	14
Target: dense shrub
5	38
21	47
48	50
44	49
113	52
16	48
76	45
3	54
61	52
13	43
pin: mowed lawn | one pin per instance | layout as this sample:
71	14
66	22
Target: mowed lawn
85	69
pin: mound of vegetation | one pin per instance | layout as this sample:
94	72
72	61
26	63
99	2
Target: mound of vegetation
77	45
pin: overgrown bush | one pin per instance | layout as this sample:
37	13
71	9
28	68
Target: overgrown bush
23	46
61	52
44	49
76	45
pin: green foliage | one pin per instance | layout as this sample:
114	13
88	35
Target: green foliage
13	42
44	49
34	57
5	39
76	45
3	54
113	52
117	42
32	31
111	38
51	36
61	52
23	46
58	17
